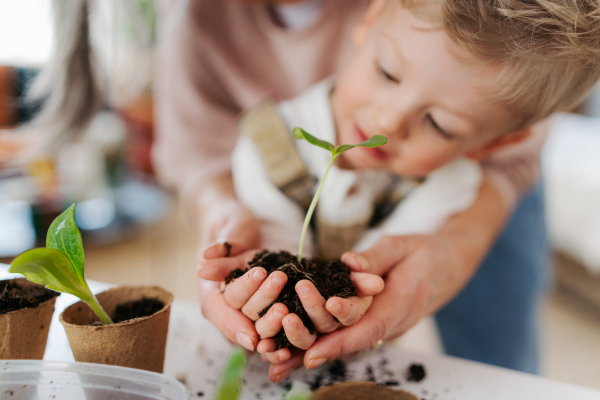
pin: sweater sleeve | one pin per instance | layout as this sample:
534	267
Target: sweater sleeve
195	128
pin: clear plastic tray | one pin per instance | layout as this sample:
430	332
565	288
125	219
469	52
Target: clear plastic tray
33	380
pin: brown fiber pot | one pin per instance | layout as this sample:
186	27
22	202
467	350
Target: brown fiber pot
137	343
360	391
24	332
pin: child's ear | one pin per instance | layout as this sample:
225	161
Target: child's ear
373	11
497	144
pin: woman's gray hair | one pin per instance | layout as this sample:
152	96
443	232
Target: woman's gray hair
68	86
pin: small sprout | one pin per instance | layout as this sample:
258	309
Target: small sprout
231	381
59	266
299	133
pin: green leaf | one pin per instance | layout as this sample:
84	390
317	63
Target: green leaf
64	235
373	141
231	381
300	133
52	268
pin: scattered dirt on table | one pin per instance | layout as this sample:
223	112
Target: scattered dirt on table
13	297
331	278
137	309
415	373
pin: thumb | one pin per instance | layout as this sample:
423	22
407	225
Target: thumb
239	234
379	259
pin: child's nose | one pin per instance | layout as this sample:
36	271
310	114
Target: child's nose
392	122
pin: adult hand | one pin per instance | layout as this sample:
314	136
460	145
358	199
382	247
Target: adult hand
422	273
412	267
229	232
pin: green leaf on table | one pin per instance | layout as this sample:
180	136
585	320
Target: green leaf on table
373	141
231	380
64	235
52	268
300	133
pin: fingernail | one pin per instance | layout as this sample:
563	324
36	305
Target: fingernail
336	307
316	362
283	375
277	314
303	289
278	280
290	326
245	341
258	274
351	261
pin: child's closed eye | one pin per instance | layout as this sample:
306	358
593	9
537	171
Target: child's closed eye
385	74
439	130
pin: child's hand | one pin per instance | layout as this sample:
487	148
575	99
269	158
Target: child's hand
321	313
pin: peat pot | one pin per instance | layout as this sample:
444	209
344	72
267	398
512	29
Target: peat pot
24	332
135	343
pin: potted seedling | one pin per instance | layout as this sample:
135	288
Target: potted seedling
330	277
125	326
25	314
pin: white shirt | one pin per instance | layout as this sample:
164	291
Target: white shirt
448	190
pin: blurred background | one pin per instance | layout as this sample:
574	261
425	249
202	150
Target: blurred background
132	228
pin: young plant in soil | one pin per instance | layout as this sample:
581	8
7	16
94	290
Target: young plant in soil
59	266
331	278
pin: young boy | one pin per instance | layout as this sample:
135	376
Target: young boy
441	96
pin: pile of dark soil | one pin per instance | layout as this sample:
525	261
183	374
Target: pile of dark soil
415	373
137	309
13	297
331	278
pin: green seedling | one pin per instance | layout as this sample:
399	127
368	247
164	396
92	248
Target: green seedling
59	266
299	133
231	381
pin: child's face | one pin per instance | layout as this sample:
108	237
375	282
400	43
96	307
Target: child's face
415	86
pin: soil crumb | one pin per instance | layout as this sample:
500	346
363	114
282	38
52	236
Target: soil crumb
331	278
137	309
13	297
415	373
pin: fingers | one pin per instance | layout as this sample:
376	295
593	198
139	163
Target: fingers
314	305
379	259
367	284
277	357
270	323
217	269
238	292
297	333
234	325
348	311
265	295
397	308
266	346
278	372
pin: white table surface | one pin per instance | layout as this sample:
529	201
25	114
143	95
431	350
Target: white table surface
196	353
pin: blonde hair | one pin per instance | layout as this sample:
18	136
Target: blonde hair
548	50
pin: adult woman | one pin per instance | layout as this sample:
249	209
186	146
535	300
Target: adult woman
219	58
